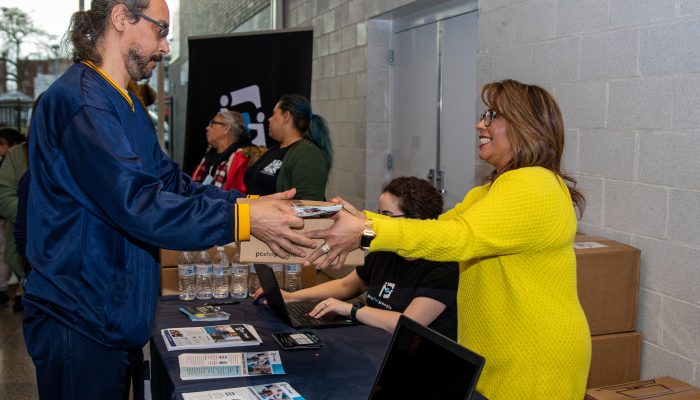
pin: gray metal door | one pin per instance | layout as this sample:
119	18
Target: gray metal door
414	112
433	104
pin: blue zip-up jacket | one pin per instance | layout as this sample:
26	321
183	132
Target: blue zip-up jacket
102	199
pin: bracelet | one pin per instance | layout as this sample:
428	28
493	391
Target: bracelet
353	312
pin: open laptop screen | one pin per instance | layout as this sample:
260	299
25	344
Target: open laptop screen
422	364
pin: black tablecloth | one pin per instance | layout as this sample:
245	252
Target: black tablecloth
344	368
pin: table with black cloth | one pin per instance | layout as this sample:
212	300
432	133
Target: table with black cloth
344	368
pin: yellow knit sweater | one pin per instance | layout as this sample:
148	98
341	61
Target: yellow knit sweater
517	299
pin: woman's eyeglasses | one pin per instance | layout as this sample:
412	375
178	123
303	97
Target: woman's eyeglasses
488	116
213	122
164	28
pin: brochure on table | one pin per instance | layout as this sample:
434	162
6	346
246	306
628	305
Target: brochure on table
209	337
280	390
229	365
205	313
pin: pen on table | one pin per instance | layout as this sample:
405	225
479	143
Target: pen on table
223	303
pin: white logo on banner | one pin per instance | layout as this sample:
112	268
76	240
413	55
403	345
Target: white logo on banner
250	94
387	289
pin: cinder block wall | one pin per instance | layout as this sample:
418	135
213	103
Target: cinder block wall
339	91
627	77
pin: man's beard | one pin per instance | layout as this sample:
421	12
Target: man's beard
137	64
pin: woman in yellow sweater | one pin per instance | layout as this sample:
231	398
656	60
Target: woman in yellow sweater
513	238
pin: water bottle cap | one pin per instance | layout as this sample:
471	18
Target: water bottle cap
219	248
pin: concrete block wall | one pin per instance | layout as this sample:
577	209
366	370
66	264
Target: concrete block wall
626	74
350	89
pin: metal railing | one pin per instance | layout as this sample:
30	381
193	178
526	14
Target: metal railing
15	114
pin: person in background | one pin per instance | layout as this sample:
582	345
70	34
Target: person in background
513	237
103	198
423	290
9	137
12	166
303	156
224	165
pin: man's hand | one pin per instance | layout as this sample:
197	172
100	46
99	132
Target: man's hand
340	239
271	220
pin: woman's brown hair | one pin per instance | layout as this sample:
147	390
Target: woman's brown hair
535	129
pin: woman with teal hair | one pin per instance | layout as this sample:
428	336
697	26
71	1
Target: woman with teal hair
303	156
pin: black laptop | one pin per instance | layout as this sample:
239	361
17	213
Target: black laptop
295	315
423	364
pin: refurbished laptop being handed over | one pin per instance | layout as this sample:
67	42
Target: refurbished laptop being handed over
422	364
295	315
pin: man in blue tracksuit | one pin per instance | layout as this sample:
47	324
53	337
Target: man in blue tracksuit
103	198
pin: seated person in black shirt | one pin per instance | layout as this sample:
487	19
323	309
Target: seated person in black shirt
423	290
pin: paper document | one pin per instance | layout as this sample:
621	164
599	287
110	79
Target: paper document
208	337
280	390
228	365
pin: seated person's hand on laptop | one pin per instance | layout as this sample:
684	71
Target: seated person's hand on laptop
331	305
259	296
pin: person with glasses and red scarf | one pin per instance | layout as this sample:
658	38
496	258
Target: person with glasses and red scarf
225	162
423	290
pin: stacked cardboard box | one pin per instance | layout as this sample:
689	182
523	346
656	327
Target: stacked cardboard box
664	388
608	288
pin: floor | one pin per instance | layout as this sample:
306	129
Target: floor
17	379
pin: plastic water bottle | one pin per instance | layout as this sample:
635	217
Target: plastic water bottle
204	275
239	280
186	272
221	274
292	277
253	281
278	270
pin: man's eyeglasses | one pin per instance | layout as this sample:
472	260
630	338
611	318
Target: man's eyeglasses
164	28
213	122
389	214
488	116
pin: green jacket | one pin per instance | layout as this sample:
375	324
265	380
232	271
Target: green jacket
12	169
304	167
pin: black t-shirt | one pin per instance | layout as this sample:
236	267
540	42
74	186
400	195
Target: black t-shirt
261	177
393	282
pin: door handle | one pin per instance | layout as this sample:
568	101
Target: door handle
440	181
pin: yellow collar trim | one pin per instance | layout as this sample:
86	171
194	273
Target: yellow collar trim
123	92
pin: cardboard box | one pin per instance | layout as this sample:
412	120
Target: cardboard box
256	251
169	282
664	388
608	284
615	359
169	258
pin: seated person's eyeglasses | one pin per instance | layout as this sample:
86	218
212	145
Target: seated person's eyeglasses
213	122
390	214
164	28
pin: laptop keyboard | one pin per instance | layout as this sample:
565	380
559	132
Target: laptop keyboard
299	313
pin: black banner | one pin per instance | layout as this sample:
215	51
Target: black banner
247	73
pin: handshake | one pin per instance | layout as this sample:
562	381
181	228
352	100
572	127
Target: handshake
276	220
